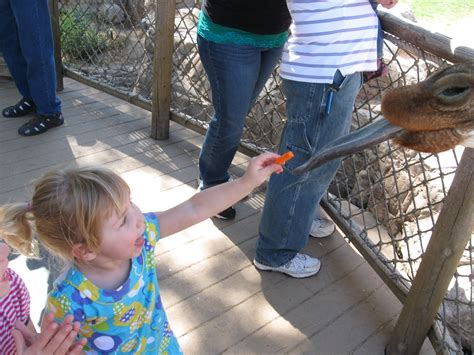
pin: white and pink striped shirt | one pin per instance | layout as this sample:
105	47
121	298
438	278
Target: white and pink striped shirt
327	35
14	306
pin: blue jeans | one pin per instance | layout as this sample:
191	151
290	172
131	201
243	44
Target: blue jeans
26	42
237	74
291	200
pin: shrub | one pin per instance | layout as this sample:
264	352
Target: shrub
80	37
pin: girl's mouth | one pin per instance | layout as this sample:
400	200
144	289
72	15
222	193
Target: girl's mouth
140	241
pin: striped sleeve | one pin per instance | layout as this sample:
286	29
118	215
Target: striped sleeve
7	344
14	306
23	297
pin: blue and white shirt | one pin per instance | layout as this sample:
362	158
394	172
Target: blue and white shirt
327	36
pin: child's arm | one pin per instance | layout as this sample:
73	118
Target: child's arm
209	202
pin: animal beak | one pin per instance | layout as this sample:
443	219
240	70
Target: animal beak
376	132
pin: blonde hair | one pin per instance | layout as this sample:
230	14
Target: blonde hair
67	208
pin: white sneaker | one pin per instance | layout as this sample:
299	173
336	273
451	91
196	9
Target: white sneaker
299	267
321	228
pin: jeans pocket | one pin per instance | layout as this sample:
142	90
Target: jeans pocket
297	141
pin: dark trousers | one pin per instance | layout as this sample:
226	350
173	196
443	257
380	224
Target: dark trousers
26	43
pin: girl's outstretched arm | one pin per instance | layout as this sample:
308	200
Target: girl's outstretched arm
209	202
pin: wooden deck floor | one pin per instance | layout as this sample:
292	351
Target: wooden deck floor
216	300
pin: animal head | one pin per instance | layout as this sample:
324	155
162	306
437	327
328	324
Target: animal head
432	116
438	113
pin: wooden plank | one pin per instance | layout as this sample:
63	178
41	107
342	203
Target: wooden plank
254	300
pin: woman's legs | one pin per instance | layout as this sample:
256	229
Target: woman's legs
237	74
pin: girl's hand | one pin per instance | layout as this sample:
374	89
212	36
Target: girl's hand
388	4
260	168
53	339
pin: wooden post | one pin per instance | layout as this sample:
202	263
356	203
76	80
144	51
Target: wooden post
448	241
162	68
57	44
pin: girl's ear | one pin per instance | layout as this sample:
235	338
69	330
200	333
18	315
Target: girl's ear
82	252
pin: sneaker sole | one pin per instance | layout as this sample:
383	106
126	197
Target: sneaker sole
262	267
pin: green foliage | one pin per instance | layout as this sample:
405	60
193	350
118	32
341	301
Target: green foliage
81	38
443	11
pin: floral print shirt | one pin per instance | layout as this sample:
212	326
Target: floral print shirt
128	320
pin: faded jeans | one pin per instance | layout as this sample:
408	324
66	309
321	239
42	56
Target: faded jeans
291	200
26	43
237	74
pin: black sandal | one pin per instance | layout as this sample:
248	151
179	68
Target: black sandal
22	108
40	124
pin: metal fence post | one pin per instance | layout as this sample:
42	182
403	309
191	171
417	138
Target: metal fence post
162	68
452	232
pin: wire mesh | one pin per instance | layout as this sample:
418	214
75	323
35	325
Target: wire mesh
390	196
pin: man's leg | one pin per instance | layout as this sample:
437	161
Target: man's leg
36	42
11	50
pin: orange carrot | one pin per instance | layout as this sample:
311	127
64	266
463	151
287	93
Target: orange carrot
284	158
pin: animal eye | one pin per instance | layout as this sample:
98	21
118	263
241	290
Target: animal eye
453	91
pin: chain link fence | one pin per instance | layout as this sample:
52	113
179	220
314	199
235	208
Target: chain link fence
390	197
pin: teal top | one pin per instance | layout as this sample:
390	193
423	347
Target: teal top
228	35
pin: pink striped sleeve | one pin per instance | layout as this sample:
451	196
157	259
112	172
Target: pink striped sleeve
23	296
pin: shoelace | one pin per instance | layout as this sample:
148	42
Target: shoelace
298	261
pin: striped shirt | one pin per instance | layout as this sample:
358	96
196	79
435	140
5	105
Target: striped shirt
14	306
327	36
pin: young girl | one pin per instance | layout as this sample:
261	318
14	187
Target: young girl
85	216
17	333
